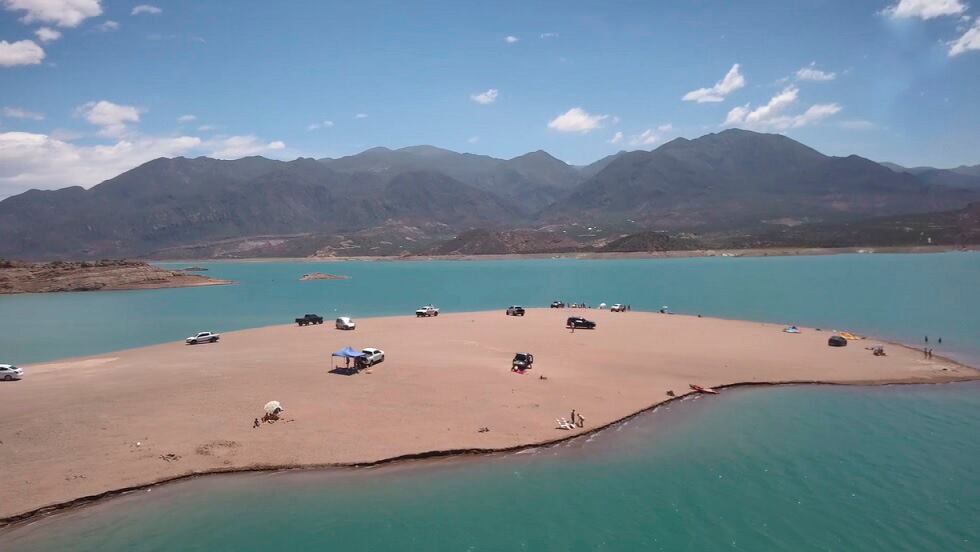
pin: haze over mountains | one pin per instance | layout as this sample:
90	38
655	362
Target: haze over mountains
384	201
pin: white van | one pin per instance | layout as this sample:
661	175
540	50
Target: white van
345	323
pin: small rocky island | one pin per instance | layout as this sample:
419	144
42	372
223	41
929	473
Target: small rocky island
321	276
27	277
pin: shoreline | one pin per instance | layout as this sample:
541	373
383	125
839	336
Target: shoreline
591	255
433	394
26	518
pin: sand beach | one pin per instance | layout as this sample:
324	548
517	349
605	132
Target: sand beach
81	427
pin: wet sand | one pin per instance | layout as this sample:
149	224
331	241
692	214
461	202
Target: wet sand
71	427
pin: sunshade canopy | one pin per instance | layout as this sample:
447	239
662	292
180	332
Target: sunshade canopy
347	352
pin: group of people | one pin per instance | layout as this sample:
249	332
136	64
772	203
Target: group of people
927	351
577	419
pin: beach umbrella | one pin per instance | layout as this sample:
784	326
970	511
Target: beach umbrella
272	407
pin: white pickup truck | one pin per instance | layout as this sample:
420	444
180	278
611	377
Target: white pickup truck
202	337
427	310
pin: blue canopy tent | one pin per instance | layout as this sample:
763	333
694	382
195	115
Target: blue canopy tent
347	353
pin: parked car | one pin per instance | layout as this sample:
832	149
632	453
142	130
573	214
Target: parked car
578	322
345	323
9	372
203	337
372	356
427	310
618	308
557	305
308	319
514	310
522	361
837	341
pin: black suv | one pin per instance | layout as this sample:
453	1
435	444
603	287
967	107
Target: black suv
522	361
579	322
557	305
515	311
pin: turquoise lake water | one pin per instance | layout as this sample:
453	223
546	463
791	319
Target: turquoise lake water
790	468
902	297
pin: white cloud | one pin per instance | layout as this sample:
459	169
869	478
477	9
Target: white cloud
511	39
650	136
617	138
473	139
485	98
147	9
321	124
186	118
772	115
111	117
549	35
47	34
206	128
857	124
732	81
64	13
22	52
811	73
30	160
18	113
361	116
970	40
107	26
235	147
578	120
924	9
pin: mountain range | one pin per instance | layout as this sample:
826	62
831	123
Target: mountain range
409	200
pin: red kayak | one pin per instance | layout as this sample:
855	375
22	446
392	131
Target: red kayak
700	389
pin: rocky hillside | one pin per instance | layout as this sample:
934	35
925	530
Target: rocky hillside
405	201
20	277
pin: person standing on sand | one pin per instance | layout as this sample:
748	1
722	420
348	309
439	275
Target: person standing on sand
573	416
927	339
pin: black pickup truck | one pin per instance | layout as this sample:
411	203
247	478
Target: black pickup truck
308	319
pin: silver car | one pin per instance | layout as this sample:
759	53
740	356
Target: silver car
9	372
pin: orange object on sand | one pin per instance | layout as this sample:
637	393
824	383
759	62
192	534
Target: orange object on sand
700	389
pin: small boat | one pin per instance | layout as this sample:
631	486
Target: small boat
700	389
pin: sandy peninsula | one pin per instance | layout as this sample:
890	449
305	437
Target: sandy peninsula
81	427
106	275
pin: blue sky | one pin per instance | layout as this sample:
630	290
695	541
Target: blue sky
90	88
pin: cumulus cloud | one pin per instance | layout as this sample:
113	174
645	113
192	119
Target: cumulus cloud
235	147
22	52
64	13
651	136
29	160
147	9
732	81
578	120
18	113
970	40
319	125
811	73
772	116
107	26
485	98
617	138
47	34
511	39
111	117
924	9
